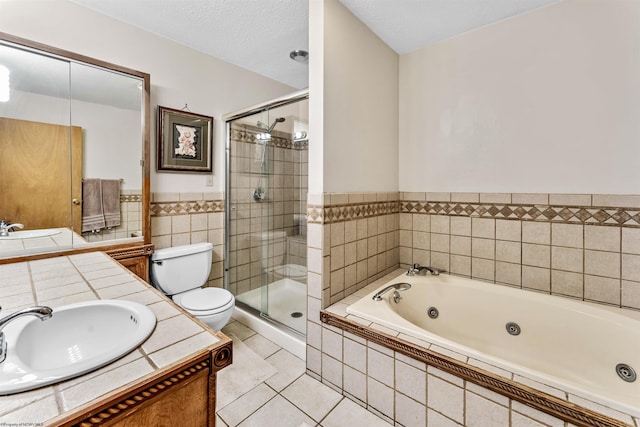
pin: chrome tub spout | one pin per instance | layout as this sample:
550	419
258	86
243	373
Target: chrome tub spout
402	286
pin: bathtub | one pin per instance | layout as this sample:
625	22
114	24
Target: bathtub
566	344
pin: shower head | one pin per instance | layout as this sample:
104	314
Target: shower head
275	122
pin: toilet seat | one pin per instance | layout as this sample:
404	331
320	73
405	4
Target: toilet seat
205	301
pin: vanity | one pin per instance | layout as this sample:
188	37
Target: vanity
88	121
170	379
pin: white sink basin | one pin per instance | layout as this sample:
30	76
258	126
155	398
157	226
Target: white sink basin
30	234
77	339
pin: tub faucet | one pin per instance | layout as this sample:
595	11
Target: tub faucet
41	312
421	271
396	287
5	226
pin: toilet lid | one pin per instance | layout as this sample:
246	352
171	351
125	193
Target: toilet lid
206	299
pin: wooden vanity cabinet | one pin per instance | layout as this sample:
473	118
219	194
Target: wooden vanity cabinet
136	259
181	395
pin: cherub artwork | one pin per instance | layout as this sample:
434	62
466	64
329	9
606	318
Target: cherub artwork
186	141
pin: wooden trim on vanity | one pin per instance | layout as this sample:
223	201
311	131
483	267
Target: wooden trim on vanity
115	407
129	400
222	357
539	400
130	252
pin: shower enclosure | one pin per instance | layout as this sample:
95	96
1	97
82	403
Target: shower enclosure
266	199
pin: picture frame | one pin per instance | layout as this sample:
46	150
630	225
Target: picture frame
185	141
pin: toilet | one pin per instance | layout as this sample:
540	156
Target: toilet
273	245
180	272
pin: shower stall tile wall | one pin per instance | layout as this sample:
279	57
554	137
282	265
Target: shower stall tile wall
186	218
280	169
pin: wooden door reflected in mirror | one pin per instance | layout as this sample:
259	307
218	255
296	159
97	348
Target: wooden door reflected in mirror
42	175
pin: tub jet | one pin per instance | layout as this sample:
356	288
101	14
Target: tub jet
626	372
513	328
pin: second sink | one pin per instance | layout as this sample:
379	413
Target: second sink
31	234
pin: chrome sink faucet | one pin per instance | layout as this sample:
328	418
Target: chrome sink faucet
40	311
5	226
421	271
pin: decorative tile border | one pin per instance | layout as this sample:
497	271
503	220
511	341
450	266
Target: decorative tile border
622	217
565	410
130	198
249	136
339	213
186	207
591	215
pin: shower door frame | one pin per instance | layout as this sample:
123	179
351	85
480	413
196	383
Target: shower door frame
228	118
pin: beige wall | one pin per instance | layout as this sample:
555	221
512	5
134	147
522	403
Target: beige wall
187	218
547	101
356	99
179	75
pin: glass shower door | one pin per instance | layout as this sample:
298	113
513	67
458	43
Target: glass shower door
266	196
248	190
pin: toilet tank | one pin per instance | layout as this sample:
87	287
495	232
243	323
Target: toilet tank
181	268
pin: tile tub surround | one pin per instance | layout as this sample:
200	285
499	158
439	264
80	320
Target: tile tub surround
86	277
484	236
353	238
186	218
417	383
578	246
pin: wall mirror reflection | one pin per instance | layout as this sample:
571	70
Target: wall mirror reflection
72	140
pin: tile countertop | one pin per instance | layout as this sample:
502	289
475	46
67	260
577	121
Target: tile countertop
86	277
65	238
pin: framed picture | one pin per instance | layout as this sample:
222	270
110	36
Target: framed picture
185	141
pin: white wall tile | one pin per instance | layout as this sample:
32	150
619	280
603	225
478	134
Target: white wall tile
445	398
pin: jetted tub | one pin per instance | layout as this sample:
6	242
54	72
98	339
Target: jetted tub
578	347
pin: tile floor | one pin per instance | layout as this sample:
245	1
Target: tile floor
267	386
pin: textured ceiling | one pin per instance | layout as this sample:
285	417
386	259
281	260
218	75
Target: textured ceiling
259	34
407	25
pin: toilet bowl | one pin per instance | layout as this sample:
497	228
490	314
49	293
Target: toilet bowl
180	272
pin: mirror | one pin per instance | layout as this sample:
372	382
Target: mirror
74	141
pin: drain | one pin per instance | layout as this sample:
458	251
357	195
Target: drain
296	314
433	312
513	328
626	372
